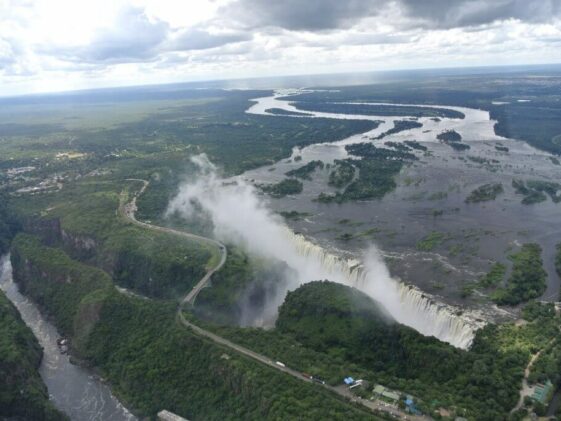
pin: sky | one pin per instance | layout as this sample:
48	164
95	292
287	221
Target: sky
59	45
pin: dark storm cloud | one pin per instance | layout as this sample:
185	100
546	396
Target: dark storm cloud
320	15
460	13
198	39
307	15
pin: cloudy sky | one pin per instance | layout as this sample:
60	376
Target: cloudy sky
55	45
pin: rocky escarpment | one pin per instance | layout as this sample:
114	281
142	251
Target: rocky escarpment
51	233
151	361
9	225
23	395
53	280
146	262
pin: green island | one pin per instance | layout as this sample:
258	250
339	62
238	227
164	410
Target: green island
342	174
280	111
416	145
283	188
294	215
534	191
453	139
431	241
485	193
398	146
305	171
376	172
375	109
494	277
527	279
400	126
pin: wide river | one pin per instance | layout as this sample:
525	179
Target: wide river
73	389
429	198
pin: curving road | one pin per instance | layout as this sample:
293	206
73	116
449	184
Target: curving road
128	210
526	390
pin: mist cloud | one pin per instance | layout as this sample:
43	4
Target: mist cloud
136	43
242	217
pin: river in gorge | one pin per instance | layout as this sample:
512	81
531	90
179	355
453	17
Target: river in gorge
74	390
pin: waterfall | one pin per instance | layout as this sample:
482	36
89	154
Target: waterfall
407	304
241	217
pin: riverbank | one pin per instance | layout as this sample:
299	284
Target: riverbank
74	390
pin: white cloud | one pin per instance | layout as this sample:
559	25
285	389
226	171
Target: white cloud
66	44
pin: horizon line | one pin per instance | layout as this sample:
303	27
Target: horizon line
280	76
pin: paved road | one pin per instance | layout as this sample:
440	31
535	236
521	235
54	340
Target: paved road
128	211
526	390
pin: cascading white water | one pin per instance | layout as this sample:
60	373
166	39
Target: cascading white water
405	303
240	216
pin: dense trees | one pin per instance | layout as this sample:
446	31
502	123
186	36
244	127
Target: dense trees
84	222
400	126
23	395
375	109
376	172
241	289
8	224
536	122
306	171
494	277
449	136
416	145
534	191
527	279
281	111
283	188
152	361
55	281
342	173
343	322
485	193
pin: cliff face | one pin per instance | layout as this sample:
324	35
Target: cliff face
152	361
52	234
23	395
57	283
8	225
48	230
147	262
